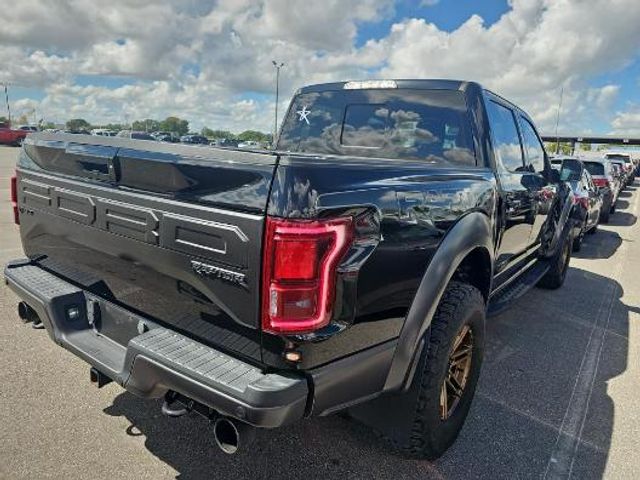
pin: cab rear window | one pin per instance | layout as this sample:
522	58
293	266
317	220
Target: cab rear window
428	125
594	168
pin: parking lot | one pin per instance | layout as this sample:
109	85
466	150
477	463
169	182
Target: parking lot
559	394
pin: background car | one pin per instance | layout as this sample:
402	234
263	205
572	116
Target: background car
621	172
135	135
626	164
28	128
103	132
603	175
587	200
249	144
12	136
168	137
194	139
556	162
225	142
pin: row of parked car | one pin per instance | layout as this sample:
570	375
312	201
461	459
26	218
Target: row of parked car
596	183
14	136
170	137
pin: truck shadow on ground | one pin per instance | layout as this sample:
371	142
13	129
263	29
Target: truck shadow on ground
603	244
622	219
530	367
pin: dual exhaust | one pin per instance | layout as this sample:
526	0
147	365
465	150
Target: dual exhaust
230	434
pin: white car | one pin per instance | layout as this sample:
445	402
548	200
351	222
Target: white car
30	128
249	144
103	132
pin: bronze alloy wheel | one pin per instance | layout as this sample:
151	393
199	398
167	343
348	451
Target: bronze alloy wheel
455	379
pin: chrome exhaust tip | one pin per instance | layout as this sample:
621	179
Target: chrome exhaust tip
228	434
26	313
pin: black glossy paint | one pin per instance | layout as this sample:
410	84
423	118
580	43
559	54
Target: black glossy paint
414	206
140	212
116	237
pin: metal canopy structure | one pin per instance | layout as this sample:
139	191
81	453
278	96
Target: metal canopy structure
597	139
600	139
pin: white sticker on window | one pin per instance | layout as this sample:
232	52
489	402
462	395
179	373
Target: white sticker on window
303	114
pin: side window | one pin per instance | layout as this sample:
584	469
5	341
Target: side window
505	137
534	150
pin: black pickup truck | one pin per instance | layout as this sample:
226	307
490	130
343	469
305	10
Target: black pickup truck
351	269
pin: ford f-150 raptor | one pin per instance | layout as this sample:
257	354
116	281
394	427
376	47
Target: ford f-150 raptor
351	268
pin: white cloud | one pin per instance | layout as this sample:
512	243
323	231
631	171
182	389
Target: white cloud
528	54
627	122
200	60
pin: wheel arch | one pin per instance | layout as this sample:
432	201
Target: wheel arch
466	254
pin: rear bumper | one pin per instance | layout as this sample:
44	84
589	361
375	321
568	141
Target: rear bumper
158	359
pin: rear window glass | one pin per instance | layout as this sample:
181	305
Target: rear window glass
428	125
594	168
617	157
571	171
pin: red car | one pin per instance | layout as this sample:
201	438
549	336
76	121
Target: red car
11	136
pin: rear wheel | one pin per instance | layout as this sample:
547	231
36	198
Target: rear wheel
577	241
554	278
447	374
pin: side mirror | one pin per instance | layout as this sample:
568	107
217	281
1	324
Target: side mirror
554	175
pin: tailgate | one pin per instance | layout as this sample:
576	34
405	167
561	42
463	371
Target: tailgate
172	232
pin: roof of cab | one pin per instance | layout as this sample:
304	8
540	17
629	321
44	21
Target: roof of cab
426	84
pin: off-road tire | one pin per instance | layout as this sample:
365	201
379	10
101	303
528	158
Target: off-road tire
593	229
604	215
429	435
554	278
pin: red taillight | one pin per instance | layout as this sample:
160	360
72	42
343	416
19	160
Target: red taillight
14	199
299	272
601	182
584	201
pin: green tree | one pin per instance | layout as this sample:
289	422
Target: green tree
76	124
207	132
254	135
585	147
551	147
4	121
174	124
147	125
47	125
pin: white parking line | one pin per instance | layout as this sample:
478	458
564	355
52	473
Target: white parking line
562	458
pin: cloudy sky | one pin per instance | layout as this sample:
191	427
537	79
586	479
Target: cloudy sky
210	61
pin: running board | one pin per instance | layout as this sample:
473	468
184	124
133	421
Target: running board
503	298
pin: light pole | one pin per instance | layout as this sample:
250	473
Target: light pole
278	66
558	120
6	98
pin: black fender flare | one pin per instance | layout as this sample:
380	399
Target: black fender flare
470	232
566	213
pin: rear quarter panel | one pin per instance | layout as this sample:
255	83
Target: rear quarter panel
415	204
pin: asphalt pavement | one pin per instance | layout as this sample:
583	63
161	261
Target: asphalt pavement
559	394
